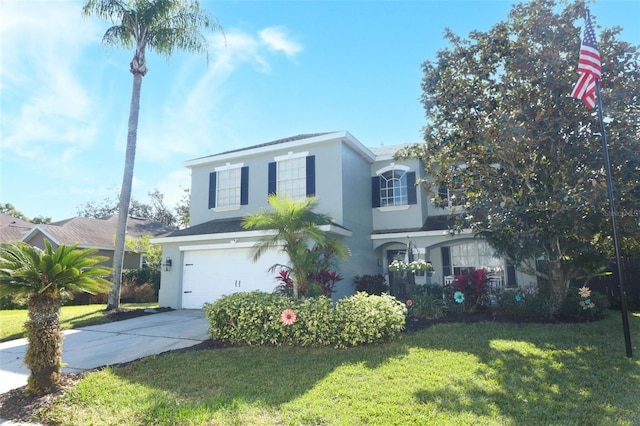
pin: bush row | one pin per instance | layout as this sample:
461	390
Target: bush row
258	318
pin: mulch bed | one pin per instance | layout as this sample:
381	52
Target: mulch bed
18	406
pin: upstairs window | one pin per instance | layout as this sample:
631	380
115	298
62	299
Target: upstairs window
293	175
393	186
228	187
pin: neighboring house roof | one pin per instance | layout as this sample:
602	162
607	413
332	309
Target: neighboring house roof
96	232
12	228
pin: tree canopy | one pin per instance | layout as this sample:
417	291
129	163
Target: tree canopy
522	157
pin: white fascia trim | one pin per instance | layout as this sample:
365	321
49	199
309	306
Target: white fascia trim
336	230
220	246
402	235
244	235
209	237
45	233
345	136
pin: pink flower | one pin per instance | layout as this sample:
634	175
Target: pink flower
584	291
288	317
409	302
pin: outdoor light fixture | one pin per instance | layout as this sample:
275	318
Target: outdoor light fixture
167	264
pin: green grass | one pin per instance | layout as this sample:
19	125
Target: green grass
449	374
71	317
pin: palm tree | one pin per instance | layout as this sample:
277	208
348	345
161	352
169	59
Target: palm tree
163	26
45	279
296	226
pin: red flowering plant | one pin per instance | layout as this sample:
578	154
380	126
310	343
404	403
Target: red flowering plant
326	280
285	283
474	286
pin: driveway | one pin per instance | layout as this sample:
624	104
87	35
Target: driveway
111	343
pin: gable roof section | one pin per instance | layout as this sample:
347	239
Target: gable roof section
289	142
95	232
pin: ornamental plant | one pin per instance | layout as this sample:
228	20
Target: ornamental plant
471	289
257	318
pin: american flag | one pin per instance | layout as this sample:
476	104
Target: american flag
588	67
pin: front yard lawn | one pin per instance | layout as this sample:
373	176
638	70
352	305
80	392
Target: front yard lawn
448	374
71	317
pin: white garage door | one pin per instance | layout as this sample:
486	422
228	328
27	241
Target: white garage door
209	274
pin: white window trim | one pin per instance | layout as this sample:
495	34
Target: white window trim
291	155
394	208
391	167
226	167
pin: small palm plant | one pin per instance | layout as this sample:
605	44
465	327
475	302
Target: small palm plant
45	278
295	227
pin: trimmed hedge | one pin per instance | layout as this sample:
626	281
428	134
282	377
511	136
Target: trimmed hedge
255	319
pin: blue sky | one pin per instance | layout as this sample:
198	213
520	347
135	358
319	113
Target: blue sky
286	68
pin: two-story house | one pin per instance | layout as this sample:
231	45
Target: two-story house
378	212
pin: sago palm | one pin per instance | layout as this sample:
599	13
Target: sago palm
160	25
45	279
294	227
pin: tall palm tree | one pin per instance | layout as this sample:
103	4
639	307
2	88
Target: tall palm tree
45	279
296	226
163	26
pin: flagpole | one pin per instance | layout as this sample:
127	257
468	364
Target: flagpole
612	211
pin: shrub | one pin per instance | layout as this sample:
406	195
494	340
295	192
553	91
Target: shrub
7	303
574	304
372	284
255	318
527	302
138	293
426	305
367	318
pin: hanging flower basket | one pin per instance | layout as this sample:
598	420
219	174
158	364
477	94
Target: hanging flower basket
415	266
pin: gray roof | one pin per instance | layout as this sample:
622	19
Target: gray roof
12	228
99	232
220	226
433	223
276	142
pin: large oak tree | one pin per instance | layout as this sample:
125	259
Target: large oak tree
523	158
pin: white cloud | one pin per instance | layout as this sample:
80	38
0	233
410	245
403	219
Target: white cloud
276	38
46	110
199	100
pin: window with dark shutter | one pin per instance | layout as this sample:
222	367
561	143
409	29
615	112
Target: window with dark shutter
311	175
375	191
212	190
272	182
412	193
244	186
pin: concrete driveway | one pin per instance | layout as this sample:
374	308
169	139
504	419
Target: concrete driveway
111	343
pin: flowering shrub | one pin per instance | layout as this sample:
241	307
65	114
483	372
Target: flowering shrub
258	318
471	289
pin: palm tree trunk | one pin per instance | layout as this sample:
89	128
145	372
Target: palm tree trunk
44	353
125	192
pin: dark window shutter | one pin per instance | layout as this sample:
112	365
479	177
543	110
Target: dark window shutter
375	191
412	193
511	275
244	186
212	190
272	179
446	261
311	175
